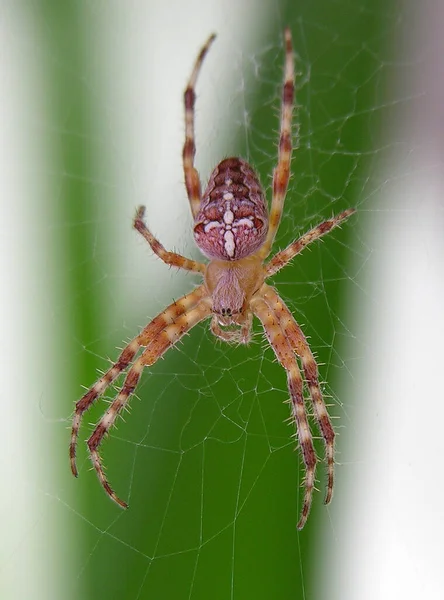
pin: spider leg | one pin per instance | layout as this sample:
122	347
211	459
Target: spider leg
282	258
239	336
168	316
281	174
170	258
167	337
285	355
192	181
300	346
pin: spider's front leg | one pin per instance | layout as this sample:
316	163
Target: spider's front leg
170	334
285	355
145	337
299	344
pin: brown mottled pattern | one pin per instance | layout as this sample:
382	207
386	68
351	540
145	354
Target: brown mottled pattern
231	226
234	187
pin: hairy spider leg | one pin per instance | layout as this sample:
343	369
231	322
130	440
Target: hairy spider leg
170	258
281	173
145	337
298	342
282	258
170	335
285	355
192	181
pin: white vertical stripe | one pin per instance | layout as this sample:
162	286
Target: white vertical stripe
28	546
389	530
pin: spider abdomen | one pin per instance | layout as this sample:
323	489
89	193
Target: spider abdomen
232	221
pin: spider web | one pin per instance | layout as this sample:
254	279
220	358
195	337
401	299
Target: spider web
205	457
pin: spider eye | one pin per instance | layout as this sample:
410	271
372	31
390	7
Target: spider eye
225	307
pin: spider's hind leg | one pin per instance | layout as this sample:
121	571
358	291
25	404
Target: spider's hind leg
192	181
281	173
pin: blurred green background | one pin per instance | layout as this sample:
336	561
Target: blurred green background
204	458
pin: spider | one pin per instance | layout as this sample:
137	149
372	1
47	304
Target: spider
233	229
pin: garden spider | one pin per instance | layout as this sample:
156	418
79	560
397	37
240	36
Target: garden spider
232	228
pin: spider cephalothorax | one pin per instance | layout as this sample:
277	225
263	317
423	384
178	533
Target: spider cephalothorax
232	285
233	229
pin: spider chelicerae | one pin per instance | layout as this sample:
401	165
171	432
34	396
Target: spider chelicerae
233	229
